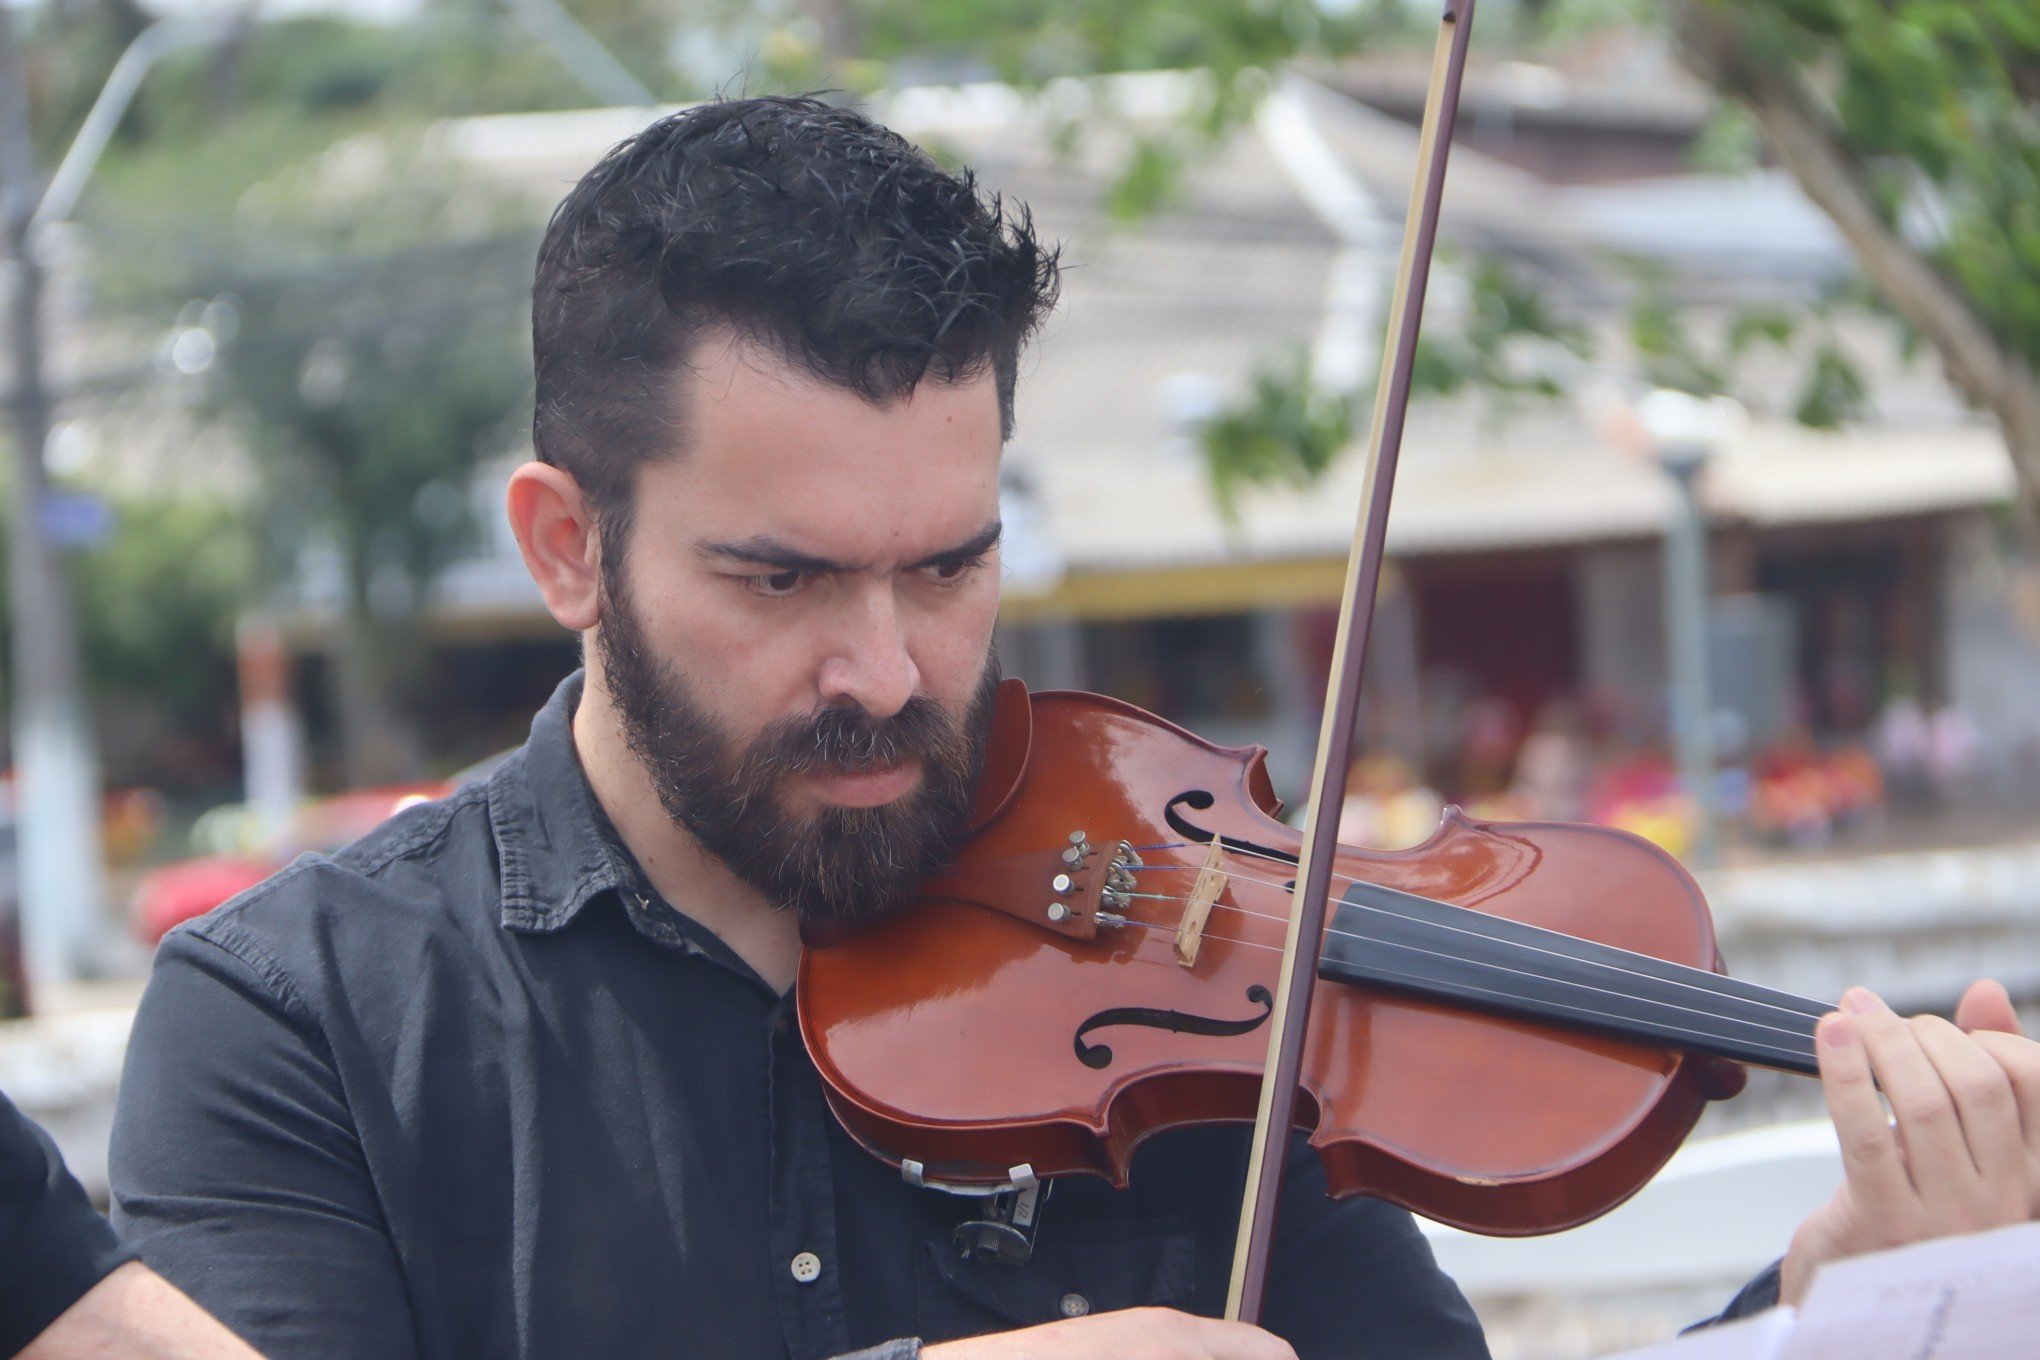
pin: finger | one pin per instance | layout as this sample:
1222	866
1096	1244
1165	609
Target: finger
2020	1059
1936	1158
1869	1152
1984	1102
1986	1005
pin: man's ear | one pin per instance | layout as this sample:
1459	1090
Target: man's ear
555	530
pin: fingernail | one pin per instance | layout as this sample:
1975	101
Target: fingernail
1862	1001
1835	1031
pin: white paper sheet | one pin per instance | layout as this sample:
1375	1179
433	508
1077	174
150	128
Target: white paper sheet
1754	1338
1960	1298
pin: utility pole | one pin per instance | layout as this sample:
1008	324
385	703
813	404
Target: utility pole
1686	596
56	764
1685	433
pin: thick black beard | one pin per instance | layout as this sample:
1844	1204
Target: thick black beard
844	865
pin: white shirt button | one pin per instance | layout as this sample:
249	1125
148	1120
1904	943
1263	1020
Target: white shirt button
1075	1305
807	1267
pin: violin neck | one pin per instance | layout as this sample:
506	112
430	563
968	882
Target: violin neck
1386	938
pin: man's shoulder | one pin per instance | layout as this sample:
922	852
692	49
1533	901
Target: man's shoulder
426	877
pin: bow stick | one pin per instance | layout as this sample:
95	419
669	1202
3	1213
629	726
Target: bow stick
1349	661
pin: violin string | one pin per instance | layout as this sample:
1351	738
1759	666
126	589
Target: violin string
1234	874
1809	1009
1801	1046
1616	969
1598	990
1519	946
1799	1049
1646	979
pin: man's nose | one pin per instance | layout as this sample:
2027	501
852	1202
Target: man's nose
871	663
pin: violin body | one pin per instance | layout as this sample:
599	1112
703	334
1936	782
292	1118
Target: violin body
973	1035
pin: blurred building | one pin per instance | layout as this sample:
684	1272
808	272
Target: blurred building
1852	570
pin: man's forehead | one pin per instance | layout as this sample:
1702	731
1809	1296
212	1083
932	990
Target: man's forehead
722	358
778	463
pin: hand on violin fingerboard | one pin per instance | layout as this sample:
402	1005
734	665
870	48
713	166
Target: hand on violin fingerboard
1133	1334
1959	1151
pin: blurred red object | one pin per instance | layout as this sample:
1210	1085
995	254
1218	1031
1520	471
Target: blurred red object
190	888
1804	795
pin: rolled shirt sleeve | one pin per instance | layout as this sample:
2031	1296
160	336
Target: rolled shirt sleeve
236	1169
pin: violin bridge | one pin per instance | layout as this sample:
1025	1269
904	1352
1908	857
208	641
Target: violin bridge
1203	895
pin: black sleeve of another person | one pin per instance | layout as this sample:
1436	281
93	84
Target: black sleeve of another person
53	1245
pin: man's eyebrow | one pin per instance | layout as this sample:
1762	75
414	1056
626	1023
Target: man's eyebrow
977	545
763	550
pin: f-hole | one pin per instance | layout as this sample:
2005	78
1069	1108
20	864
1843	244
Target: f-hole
1197	800
1178	1022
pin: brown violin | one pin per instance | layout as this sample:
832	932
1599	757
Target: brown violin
1515	1024
1508	1028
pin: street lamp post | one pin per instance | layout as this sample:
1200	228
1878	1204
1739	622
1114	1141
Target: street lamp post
56	762
55	758
1684	432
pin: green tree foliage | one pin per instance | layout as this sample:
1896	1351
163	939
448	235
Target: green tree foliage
1286	431
171	578
1912	123
366	317
157	603
1942	94
375	362
369	386
378	359
861	44
456	57
1027	42
1514	341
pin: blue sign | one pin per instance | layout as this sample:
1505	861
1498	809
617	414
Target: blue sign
74	519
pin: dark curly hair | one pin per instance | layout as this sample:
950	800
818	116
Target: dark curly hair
798	225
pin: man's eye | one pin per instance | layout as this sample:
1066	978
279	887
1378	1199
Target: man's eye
954	570
778	583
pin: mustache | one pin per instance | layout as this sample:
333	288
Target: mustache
846	739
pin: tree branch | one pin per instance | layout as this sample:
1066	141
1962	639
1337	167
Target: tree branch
1802	133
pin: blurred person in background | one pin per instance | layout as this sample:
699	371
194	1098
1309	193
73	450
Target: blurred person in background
519	1074
1951	748
1905	744
1636	789
1386	807
1489	733
1554	766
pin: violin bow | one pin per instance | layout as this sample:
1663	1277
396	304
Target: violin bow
1349	660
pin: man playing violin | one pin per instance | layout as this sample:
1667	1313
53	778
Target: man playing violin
517	1075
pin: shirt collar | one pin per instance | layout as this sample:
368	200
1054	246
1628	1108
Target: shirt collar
549	830
559	851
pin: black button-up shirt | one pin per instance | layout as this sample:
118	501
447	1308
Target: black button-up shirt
470	1089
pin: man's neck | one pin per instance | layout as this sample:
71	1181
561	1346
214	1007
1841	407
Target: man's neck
694	882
